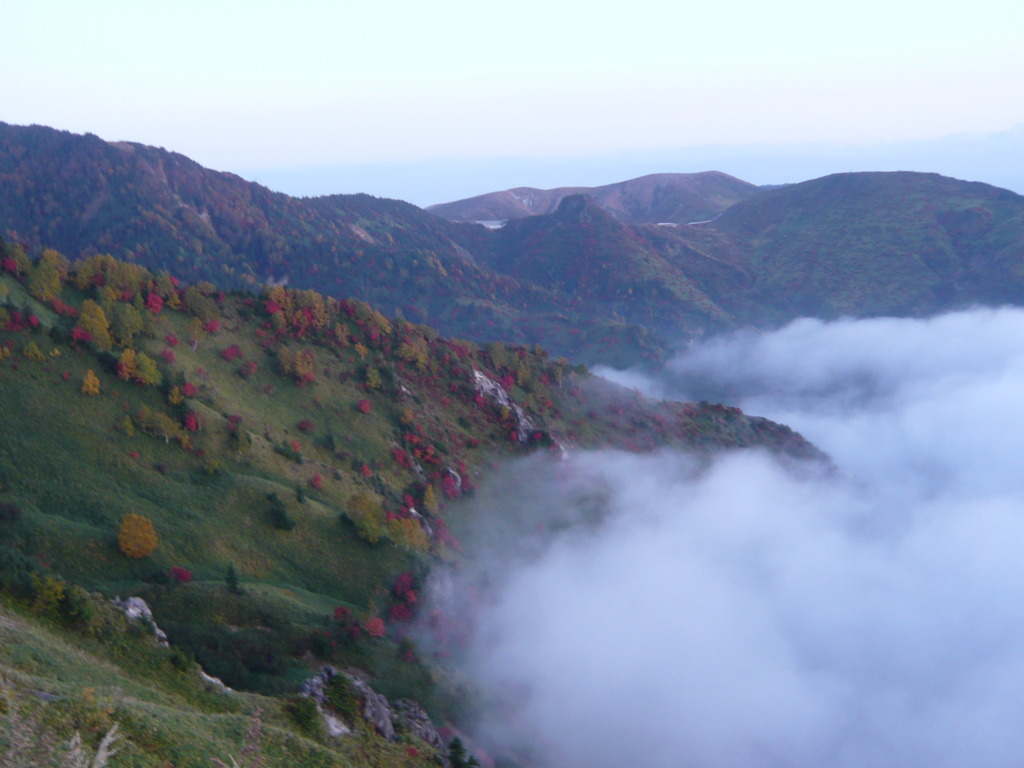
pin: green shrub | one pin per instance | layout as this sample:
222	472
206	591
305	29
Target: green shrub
16	572
303	712
343	697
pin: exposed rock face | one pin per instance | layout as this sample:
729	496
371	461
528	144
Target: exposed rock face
213	682
376	710
137	609
493	391
316	689
412	716
335	725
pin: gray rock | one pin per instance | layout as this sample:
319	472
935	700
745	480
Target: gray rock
136	608
494	392
411	715
375	709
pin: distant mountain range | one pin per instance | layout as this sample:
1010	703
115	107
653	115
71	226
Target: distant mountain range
616	275
678	198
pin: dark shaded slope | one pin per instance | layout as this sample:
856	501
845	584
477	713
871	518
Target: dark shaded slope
602	265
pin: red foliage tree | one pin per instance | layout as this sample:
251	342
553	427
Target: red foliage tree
78	333
231	353
248	370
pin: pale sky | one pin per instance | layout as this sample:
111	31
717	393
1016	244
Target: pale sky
306	84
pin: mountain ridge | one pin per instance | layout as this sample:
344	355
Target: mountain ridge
678	198
593	287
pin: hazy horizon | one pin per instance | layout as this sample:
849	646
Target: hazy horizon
970	157
447	100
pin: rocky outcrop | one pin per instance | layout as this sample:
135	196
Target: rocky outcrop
316	689
214	683
136	608
408	714
376	710
494	392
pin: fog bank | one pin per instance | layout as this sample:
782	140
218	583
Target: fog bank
759	613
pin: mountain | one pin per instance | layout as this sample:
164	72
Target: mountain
678	198
579	280
866	244
650	276
82	196
860	244
276	475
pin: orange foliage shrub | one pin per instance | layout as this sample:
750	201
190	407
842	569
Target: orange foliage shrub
136	536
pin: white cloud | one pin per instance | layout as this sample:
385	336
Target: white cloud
752	613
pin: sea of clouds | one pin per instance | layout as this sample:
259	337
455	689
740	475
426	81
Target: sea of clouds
758	611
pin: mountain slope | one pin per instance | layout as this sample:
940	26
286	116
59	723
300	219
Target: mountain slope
867	244
577	280
297	463
678	198
584	253
82	195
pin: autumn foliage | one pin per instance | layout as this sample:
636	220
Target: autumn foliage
136	537
90	383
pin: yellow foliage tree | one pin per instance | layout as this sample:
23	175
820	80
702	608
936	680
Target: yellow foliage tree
90	383
93	319
430	500
364	509
32	352
136	537
408	532
44	279
127	365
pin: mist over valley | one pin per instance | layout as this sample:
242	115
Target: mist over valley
756	611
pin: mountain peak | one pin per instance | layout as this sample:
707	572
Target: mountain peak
677	198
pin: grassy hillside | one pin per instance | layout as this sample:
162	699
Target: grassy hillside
296	463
